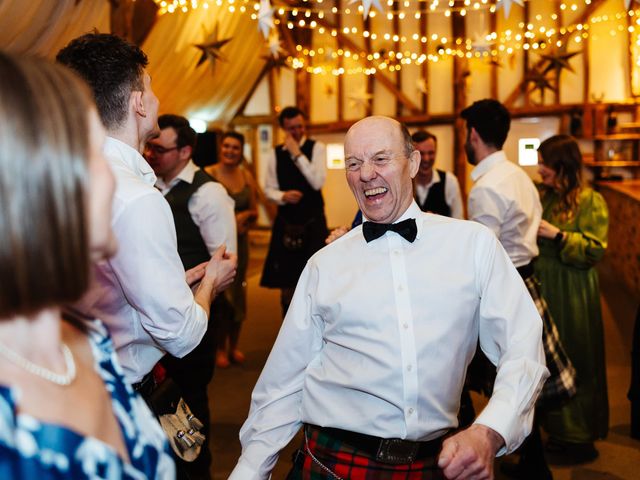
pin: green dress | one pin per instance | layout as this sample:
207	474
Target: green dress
569	284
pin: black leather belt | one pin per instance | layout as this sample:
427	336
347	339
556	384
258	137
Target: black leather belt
394	451
525	271
146	386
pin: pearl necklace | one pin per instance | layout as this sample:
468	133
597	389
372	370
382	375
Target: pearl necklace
62	379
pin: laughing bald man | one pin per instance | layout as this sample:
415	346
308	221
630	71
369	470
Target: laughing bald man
372	354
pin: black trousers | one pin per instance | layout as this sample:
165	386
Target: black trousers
634	390
192	374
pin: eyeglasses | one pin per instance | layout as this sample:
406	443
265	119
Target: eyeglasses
159	149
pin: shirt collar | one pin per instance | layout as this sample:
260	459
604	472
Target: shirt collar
413	211
487	163
185	175
130	157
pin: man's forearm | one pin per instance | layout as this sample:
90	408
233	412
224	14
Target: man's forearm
205	294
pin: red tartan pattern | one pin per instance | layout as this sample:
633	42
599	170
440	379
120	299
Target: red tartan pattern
347	463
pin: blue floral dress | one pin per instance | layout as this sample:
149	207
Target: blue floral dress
32	449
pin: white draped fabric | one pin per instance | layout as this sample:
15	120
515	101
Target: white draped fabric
42	27
202	92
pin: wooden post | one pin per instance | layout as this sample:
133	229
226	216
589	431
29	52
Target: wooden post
460	73
371	81
424	51
493	26
396	47
340	88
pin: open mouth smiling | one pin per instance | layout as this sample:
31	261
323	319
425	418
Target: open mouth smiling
375	192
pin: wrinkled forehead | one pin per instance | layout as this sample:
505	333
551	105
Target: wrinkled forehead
372	136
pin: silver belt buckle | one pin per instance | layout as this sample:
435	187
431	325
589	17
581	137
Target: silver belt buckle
395	451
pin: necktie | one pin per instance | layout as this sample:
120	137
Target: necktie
407	228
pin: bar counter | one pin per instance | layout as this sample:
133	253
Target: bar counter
623	253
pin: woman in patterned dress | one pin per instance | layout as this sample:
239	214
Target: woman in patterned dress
65	409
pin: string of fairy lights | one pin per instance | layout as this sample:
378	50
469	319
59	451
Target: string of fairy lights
393	51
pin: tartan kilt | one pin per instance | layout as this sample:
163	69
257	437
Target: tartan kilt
561	384
348	463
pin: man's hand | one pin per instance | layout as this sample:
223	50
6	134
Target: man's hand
291	146
336	233
292	196
221	269
470	453
195	274
547	230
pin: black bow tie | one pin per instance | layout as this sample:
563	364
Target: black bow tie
407	228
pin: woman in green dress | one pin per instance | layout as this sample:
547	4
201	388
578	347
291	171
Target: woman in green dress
240	186
572	238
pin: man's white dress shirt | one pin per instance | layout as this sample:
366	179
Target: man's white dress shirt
505	199
141	293
314	170
379	335
211	209
452	195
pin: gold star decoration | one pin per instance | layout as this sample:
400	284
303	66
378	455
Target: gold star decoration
360	98
210	48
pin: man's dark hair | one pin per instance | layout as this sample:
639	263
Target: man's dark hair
186	136
112	67
287	113
422	135
490	119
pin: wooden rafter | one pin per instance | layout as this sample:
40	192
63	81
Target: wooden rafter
522	86
247	98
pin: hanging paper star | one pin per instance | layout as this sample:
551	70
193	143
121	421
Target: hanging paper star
211	48
360	98
421	85
275	46
481	43
559	60
366	6
506	5
276	63
539	81
328	90
265	17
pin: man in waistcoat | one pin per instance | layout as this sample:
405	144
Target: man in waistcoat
435	190
295	174
204	219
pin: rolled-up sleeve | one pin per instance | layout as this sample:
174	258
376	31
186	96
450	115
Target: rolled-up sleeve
152	277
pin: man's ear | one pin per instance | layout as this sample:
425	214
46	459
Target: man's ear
414	163
138	105
186	152
474	136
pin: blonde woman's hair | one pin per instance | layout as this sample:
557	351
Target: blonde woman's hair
44	150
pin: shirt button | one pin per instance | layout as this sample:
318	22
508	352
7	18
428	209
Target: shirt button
410	411
400	288
396	252
405	325
409	368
